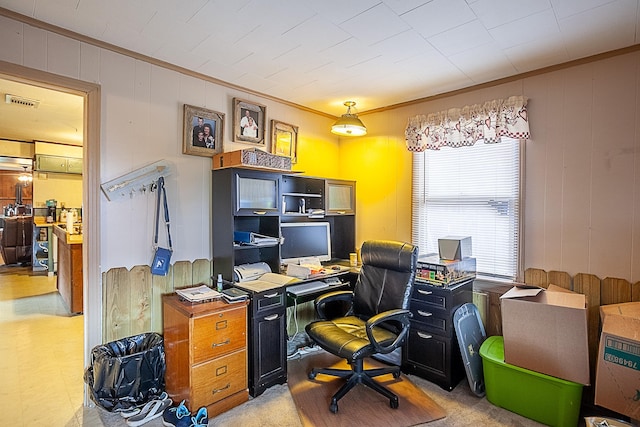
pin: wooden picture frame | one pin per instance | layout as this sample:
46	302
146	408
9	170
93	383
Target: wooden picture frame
248	121
284	140
203	131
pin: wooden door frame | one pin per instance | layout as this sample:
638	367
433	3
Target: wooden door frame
92	278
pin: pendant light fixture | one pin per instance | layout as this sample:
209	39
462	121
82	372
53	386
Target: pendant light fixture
25	178
349	124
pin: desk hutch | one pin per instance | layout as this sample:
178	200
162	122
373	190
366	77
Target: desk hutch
259	201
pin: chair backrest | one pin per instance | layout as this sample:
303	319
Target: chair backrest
386	277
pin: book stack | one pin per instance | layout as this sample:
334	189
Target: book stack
232	295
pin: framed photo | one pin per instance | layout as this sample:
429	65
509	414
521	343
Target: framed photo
284	140
248	121
203	130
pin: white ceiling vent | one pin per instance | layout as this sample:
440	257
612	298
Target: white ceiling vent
19	100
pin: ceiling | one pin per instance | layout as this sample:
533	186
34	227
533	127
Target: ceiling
318	54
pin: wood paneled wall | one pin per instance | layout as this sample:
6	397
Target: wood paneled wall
132	299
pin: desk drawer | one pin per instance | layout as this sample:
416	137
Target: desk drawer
219	333
219	378
434	319
430	295
269	300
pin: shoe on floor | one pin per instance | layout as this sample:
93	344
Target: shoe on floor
150	411
201	419
177	416
128	413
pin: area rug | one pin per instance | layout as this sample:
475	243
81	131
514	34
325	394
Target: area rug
361	406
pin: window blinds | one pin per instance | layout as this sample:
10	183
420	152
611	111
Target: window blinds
470	191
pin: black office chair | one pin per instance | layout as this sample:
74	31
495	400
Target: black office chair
377	321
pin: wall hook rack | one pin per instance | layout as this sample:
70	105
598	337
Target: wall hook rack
139	180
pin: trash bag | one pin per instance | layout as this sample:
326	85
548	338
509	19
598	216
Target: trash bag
127	372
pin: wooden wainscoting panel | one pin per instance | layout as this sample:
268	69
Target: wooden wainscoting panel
202	271
589	286
615	291
560	278
117	304
536	277
182	274
635	292
161	285
140	282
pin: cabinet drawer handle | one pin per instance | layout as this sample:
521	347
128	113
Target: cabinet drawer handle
425	336
420	291
260	212
271	295
220	344
425	313
272	317
221	389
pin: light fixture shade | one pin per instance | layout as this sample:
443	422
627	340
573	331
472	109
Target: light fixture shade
349	124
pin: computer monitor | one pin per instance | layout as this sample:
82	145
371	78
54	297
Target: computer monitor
305	239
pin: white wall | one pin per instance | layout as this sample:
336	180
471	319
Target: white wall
141	122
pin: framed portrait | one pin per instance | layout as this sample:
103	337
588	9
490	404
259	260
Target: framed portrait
284	139
248	121
203	130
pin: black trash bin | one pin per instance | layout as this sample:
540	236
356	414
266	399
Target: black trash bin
127	372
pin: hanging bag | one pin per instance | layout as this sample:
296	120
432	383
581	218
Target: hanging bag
161	256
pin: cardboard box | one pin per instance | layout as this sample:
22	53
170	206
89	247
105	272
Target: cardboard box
618	365
251	157
454	248
546	331
441	272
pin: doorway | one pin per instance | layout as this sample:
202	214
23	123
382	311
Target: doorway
92	306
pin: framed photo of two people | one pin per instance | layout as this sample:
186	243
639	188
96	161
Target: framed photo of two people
203	130
248	121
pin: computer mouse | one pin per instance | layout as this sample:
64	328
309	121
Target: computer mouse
335	267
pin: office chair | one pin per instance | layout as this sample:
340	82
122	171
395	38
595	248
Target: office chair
377	321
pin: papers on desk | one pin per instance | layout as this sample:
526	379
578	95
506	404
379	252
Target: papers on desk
258	277
198	294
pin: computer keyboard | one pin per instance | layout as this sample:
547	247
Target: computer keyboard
308	287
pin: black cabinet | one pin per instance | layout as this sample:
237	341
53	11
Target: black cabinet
432	350
267	340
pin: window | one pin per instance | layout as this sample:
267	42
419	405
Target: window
471	191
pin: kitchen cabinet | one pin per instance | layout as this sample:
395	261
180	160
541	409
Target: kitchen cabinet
206	353
432	351
59	164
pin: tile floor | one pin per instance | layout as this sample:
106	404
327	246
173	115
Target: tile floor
41	356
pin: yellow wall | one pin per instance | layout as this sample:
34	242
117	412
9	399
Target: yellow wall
381	167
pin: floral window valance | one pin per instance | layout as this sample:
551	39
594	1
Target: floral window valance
458	127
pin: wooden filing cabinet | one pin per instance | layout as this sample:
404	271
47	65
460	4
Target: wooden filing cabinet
432	351
206	353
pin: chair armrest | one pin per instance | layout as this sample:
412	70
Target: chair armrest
397	315
330	297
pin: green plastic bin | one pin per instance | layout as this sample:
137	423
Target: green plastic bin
543	398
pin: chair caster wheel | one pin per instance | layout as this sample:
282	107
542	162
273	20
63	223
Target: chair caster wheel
333	407
312	375
393	403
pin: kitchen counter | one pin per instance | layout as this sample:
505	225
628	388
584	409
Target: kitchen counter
69	267
60	230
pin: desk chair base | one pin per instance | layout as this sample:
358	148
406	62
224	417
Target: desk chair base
358	375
